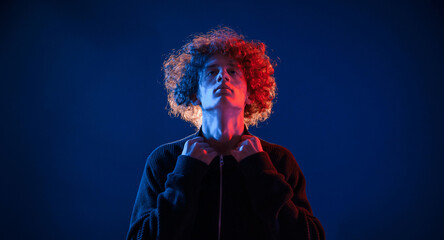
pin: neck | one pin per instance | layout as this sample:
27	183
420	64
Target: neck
222	130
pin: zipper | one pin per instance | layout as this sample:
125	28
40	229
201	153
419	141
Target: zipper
221	163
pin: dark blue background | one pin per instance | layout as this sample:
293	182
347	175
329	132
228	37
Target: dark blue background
359	104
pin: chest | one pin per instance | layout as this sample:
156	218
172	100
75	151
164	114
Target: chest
232	206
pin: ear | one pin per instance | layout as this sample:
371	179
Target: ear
247	99
195	101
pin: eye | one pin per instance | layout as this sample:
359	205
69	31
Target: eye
210	73
232	71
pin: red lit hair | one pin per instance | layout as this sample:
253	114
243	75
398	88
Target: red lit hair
182	70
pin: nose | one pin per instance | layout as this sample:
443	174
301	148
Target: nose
223	75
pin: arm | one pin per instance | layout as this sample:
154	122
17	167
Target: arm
282	205
167	212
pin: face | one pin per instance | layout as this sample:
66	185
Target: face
222	85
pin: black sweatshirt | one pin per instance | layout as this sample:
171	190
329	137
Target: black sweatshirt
263	197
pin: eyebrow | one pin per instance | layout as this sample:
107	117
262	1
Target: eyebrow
231	64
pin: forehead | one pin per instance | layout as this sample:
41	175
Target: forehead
220	60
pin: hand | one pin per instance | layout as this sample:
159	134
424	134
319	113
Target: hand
249	145
199	149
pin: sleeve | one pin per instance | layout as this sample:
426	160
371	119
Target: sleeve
282	206
167	212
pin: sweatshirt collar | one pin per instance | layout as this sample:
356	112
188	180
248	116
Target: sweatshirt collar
200	132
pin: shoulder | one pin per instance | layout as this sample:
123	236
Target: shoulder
164	157
275	150
281	157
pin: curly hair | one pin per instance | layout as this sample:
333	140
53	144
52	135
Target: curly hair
182	71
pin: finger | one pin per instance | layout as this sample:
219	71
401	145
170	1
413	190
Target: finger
201	144
210	152
196	139
244	142
213	153
240	144
205	152
235	153
246	136
239	148
208	149
256	141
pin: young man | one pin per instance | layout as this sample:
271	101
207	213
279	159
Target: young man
222	182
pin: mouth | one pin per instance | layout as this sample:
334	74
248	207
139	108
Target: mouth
223	88
223	91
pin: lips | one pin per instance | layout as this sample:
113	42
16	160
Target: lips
223	87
